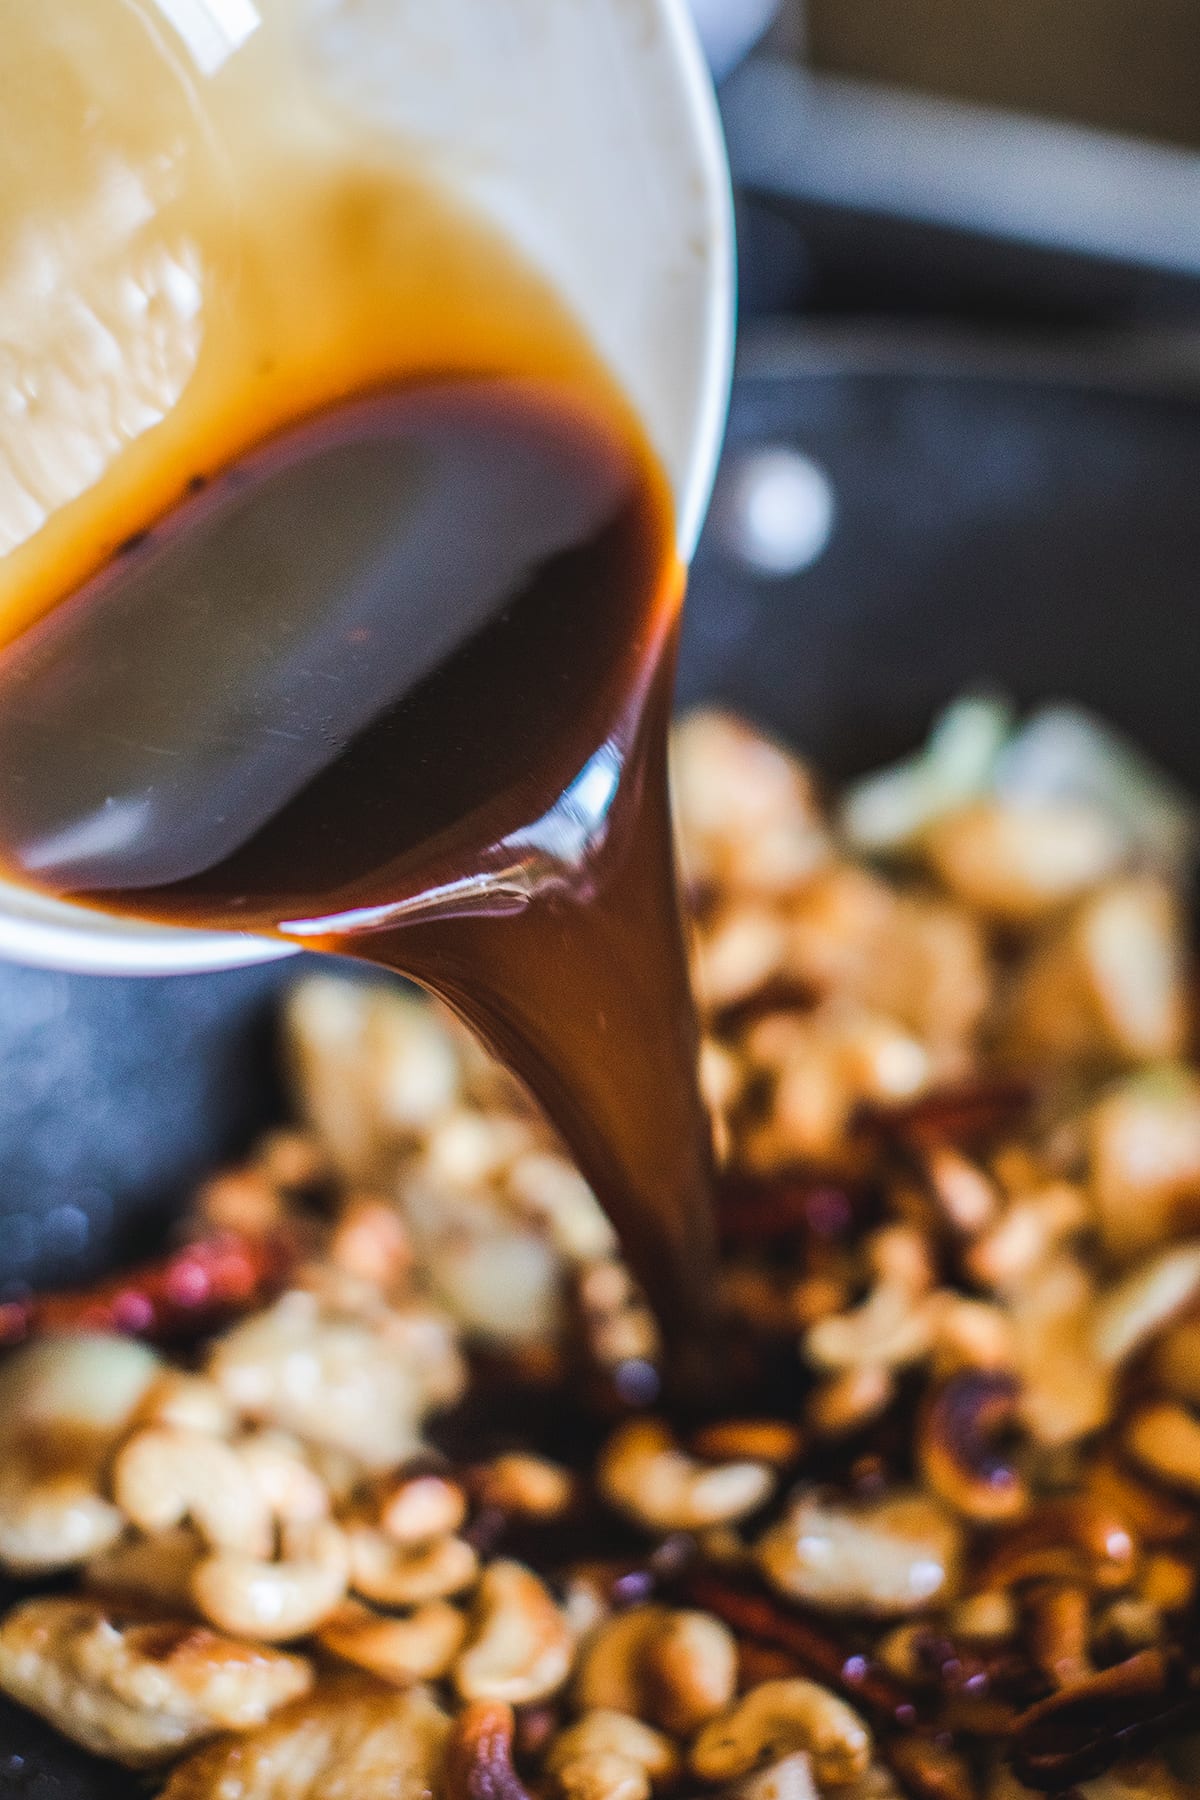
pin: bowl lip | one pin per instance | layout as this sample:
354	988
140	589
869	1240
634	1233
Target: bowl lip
52	934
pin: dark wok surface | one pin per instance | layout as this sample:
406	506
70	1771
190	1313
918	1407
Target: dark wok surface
1032	521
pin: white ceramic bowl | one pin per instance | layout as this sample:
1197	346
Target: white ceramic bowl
589	133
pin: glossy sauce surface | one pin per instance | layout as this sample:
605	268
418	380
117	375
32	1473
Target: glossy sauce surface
398	686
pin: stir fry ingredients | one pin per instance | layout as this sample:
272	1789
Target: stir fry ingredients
371	1486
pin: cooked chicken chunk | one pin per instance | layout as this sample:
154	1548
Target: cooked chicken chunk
135	1688
355	1740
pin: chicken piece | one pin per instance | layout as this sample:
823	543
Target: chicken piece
136	1688
354	1740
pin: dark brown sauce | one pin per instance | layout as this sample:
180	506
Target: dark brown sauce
397	685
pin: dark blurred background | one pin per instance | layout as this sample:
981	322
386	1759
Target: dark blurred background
964	449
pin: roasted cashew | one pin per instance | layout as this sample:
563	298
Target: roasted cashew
52	1517
778	1719
1145	1302
894	1325
956	1437
526	1485
87	1383
189	1403
276	1601
644	1474
610	1756
789	1779
520	1647
63	1402
165	1475
421	1509
286	1482
421	1647
1144	1159
747	810
157	1568
1019	864
381	1571
676	1669
1164	1439
886	1557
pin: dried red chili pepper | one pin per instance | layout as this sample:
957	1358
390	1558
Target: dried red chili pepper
964	1114
757	1211
1077	1735
188	1292
479	1755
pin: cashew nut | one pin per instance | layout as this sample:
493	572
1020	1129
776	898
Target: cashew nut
1110	986
165	1475
747	810
526	1485
421	1509
52	1515
893	1326
276	1601
520	1647
789	1779
885	1557
421	1647
1021	863
965	1194
956	1450
1165	1440
381	1571
1145	1302
740	951
778	1719
286	1482
1066	1390
1034	1225
189	1402
610	1756
86	1383
63	1401
157	1568
676	1669
644	1474
1144	1156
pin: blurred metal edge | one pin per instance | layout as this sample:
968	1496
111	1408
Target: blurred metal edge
862	147
1152	363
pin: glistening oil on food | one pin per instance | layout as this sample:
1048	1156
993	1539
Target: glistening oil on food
370	1489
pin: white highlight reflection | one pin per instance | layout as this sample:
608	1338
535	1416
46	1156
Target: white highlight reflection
556	846
212	29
